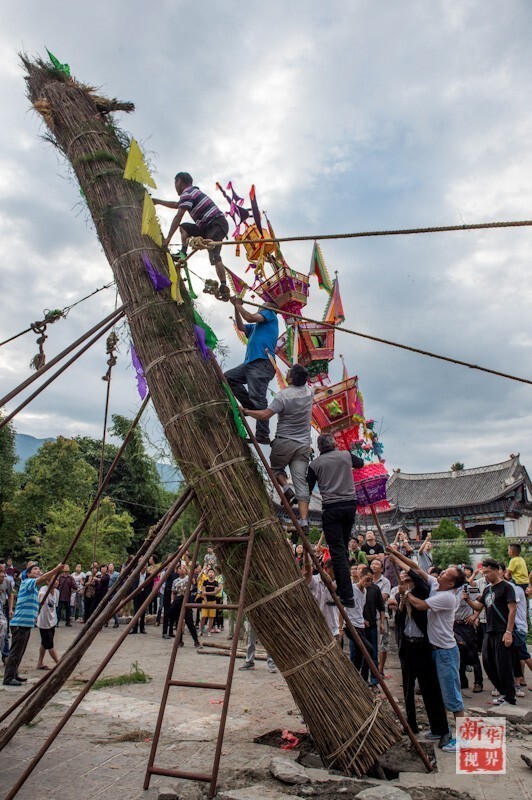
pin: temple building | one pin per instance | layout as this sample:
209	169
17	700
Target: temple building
497	497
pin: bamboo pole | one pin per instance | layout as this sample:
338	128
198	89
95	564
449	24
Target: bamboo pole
197	419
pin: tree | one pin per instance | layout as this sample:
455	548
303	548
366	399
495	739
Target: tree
135	486
56	473
8	459
115	532
451	553
448	530
458	466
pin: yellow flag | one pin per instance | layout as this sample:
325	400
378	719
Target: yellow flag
150	223
175	291
136	169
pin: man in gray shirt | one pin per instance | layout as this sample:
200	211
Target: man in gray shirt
291	446
332	470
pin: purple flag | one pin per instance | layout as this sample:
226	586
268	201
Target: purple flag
200	342
142	386
159	280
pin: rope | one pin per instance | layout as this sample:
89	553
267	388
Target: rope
155	302
160	359
262	523
273	595
212	470
318	654
110	345
410	348
53	316
398	232
194	408
368	723
200	243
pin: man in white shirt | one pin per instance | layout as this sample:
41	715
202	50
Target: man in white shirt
440	607
322	595
356	616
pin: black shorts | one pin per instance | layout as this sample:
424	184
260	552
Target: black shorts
216	229
47	638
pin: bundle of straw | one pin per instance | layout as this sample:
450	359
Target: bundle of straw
196	416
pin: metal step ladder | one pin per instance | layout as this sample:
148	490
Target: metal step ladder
208	777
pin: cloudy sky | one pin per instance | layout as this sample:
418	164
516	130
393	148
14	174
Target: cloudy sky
347	116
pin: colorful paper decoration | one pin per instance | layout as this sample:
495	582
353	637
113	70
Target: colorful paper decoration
175	290
241	335
159	280
334	312
239	286
241	428
318	268
64	68
286	288
370	485
255	209
142	386
150	223
334	406
201	344
211	340
136	169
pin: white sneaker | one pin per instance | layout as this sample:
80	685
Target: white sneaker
499	701
495	693
519	692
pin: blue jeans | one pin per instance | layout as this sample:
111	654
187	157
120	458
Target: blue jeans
448	669
256	376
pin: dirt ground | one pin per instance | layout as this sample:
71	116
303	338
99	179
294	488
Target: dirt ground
104	748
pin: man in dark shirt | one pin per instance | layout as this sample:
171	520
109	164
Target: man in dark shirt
332	470
371	547
415	655
373	610
208	222
169	578
67	585
498	598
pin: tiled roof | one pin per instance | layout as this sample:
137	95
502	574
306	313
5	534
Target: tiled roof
468	487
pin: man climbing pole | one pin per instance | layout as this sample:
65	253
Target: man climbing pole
291	446
209	222
262	331
332	470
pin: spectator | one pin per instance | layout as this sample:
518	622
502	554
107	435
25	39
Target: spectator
498	598
47	621
179	588
355	554
209	591
415	655
424	554
11	570
209	559
67	585
113	577
168	578
402	543
356	616
371	547
23	620
139	599
374	613
89	591
322	595
6	610
249	663
465	634
517	570
440	606
77	605
384	585
522	656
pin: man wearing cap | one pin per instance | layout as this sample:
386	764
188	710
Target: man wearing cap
23	619
208	222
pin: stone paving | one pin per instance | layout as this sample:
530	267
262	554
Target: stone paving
88	760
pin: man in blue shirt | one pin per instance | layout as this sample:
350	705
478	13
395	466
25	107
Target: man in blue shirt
23	619
262	331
